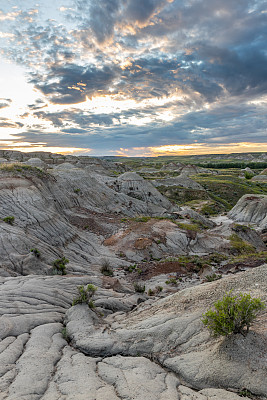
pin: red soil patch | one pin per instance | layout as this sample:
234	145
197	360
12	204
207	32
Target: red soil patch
149	270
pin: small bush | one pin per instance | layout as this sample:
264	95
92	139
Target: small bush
106	268
65	334
36	252
156	290
245	393
232	314
131	268
9	220
240	228
142	218
59	265
213	277
248	175
85	295
171	281
139	288
188	227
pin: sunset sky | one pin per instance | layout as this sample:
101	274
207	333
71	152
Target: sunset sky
133	77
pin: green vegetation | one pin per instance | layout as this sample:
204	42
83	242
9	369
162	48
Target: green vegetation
106	268
236	164
171	281
77	191
139	287
155	291
181	195
240	228
232	314
85	295
23	170
59	266
226	189
213	277
65	334
239	246
245	393
36	252
9	220
141	218
189	227
248	175
131	268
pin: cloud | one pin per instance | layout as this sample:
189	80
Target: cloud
6	123
5	103
225	124
204	59
72	83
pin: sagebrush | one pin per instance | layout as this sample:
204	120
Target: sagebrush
232	314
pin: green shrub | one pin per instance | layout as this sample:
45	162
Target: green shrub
106	268
248	175
213	277
240	228
171	281
36	252
245	393
85	295
59	266
131	268
139	288
232	314
9	220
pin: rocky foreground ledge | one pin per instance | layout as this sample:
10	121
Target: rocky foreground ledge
156	351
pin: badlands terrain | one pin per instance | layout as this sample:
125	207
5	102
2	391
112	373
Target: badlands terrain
161	240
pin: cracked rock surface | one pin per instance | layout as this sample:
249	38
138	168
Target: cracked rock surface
126	355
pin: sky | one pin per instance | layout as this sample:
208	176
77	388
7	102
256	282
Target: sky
133	77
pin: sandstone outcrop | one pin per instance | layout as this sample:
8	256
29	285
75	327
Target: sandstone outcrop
251	209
